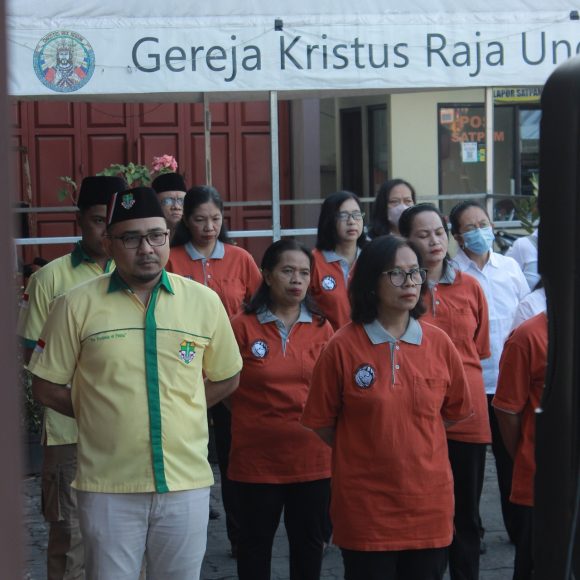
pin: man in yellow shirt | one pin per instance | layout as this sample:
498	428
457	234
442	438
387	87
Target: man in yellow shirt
87	261
135	346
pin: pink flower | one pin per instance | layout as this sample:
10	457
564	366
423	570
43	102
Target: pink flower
164	164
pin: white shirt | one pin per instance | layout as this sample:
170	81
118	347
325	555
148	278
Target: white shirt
532	304
504	287
525	252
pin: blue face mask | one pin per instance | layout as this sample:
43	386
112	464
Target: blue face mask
479	241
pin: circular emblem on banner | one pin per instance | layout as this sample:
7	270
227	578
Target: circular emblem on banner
64	61
259	349
364	376
328	283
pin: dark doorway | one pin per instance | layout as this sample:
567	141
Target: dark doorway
351	149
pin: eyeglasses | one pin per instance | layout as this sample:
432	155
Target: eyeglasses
344	216
132	242
398	277
172	201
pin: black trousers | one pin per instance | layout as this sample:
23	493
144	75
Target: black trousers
504	468
222	425
403	565
260	507
468	466
523	562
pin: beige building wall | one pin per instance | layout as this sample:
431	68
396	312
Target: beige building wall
413	135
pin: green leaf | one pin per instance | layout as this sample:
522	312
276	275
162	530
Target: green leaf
68	190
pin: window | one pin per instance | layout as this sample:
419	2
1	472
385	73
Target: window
462	152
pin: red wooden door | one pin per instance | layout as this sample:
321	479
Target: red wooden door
78	139
20	165
106	136
158	130
254	175
241	166
54	150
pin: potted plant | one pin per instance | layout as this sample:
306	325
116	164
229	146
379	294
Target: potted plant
134	174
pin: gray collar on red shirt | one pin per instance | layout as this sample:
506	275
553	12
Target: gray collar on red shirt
331	256
449	275
217	254
265	315
378	335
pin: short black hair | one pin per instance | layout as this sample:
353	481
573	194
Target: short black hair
379	223
377	257
408	217
196	196
457	211
327	236
262	298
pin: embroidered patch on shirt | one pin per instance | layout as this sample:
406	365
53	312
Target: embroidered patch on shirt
186	351
259	349
364	376
328	283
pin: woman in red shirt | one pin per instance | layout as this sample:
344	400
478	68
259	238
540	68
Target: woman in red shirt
522	374
381	394
202	251
276	463
456	303
338	243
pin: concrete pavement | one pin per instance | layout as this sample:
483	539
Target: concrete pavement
496	564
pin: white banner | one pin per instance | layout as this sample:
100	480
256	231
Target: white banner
183	58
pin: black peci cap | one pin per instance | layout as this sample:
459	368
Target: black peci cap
98	189
135	203
169	182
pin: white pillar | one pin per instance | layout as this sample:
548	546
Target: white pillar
489	148
275	165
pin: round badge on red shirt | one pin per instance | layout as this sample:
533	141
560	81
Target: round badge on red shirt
328	283
365	376
259	349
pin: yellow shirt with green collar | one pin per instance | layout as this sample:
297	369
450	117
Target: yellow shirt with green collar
137	380
51	281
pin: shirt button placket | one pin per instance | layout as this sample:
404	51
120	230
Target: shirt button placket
395	366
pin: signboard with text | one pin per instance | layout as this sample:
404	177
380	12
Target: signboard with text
121	56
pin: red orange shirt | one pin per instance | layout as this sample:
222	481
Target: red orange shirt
269	445
522	371
392	487
329	286
458	306
230	271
